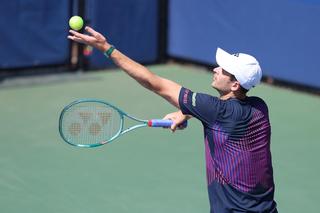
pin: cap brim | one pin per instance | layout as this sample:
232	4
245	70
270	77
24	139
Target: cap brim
226	61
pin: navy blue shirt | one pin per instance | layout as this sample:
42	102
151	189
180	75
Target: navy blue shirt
237	146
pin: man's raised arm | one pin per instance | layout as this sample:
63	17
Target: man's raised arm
161	86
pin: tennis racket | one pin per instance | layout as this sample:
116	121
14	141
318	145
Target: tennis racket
92	123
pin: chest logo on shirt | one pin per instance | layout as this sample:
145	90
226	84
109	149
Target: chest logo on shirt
194	99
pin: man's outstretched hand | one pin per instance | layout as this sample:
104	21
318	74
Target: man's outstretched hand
93	38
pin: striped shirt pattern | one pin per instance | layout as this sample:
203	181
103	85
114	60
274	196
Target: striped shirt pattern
240	162
237	148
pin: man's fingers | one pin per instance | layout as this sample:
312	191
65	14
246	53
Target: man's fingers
75	33
173	127
92	31
74	38
80	35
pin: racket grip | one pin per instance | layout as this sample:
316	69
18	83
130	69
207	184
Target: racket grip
164	123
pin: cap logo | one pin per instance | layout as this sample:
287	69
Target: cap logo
236	54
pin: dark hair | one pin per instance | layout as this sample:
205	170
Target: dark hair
233	78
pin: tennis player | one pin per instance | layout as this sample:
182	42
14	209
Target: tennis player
236	127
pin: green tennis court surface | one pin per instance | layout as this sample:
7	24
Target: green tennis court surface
149	170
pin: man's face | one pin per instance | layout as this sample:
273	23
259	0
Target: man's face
221	80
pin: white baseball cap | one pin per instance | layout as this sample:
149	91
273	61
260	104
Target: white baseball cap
244	67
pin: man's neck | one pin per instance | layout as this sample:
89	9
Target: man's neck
232	95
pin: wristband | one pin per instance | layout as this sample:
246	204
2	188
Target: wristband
109	51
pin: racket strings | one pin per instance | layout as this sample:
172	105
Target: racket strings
90	123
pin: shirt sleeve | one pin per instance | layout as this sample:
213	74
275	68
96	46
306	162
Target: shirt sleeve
201	106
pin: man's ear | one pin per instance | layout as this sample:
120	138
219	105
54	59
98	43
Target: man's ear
235	86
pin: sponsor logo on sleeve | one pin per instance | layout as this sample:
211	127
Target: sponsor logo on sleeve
194	99
185	96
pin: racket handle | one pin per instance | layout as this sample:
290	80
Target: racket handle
164	123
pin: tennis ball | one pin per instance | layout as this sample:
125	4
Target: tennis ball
76	22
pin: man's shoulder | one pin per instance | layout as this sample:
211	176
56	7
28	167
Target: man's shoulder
256	99
258	103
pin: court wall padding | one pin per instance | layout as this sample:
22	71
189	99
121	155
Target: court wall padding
33	33
283	35
131	26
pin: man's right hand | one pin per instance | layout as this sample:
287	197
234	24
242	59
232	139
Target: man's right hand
178	118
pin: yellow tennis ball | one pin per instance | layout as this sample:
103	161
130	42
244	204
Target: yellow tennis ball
76	22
